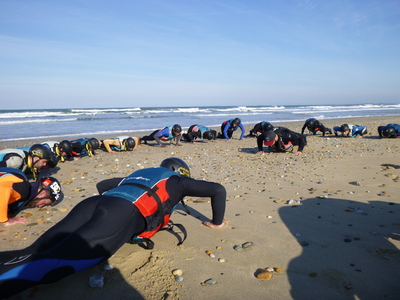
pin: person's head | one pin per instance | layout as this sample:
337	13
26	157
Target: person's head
311	123
267	126
388	131
92	144
53	161
129	143
47	190
208	135
40	155
64	149
236	122
344	129
177	165
176	130
269	138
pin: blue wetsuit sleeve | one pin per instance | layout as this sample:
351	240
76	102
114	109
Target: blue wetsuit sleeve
241	128
163	133
358	130
226	130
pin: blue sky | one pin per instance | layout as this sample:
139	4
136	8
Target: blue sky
71	54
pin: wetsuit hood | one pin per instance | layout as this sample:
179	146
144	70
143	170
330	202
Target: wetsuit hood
34	191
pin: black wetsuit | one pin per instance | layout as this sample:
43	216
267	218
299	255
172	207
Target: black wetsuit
260	128
313	125
149	137
93	231
286	138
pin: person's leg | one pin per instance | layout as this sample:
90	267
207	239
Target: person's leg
108	184
150	137
84	238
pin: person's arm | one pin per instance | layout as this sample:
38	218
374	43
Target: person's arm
177	139
201	188
302	144
242	129
6	192
260	141
161	134
304	127
137	142
192	135
225	132
359	131
108	143
108	184
336	130
214	134
322	129
380	130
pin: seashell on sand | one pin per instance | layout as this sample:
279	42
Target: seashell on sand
264	274
177	272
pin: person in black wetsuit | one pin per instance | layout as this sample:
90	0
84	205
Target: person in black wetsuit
313	125
260	128
99	225
281	140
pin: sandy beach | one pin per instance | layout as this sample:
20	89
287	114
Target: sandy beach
328	221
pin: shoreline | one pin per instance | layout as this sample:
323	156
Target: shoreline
339	237
296	125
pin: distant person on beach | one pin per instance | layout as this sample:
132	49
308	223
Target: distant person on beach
228	127
348	130
136	206
28	159
199	132
260	128
313	125
121	143
281	140
84	147
61	149
16	193
168	133
389	131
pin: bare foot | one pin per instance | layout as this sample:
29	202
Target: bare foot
212	225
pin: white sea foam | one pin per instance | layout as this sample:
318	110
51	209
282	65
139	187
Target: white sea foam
36	121
19	124
32	114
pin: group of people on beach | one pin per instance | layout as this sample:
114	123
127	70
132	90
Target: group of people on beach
126	209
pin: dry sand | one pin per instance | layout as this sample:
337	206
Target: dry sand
338	240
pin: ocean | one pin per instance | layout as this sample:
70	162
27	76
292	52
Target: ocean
75	123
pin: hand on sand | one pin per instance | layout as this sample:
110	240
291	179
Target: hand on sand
259	152
13	221
297	153
212	225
